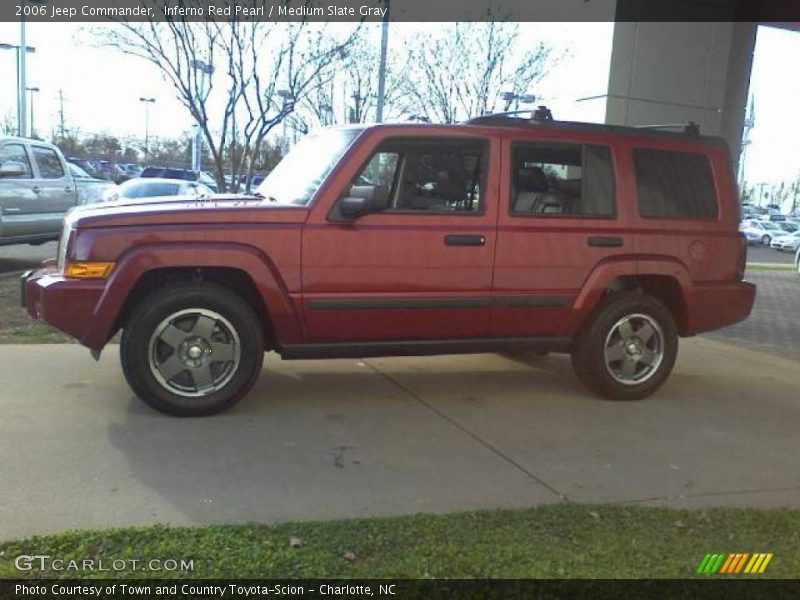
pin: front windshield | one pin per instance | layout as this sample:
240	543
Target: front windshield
301	172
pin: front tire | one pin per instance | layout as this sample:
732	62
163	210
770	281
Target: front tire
766	240
192	349
628	347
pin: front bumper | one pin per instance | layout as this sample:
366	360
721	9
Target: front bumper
66	304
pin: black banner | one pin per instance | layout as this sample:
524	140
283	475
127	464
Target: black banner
778	11
403	589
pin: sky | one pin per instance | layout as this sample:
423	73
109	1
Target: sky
102	89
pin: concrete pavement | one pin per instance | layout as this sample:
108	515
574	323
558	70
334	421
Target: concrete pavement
348	438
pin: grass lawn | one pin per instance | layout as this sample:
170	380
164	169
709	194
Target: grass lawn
16	327
557	541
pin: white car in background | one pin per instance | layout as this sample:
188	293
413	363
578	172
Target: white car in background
764	231
154	187
788	243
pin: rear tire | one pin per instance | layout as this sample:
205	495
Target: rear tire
766	240
192	349
628	347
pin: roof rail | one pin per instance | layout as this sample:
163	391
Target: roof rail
690	128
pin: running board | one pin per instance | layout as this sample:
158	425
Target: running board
423	348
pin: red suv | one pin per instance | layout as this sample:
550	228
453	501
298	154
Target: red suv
604	242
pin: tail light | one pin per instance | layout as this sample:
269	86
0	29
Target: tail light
742	256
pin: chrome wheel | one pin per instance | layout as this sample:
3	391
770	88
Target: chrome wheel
194	352
634	349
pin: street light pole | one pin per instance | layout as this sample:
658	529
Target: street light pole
382	68
20	107
206	69
32	90
22	83
147	103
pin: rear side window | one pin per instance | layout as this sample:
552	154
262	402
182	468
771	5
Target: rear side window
49	165
674	185
555	179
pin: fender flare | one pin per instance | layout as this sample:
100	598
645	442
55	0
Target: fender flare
138	261
613	268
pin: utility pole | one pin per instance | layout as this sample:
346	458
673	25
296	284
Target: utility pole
32	90
61	112
382	68
22	121
147	103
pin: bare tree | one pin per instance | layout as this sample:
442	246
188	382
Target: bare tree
350	94
468	69
262	70
8	125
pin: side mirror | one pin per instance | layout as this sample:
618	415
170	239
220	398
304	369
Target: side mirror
12	169
354	207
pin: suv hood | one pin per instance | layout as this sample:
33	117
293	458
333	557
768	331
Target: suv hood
178	210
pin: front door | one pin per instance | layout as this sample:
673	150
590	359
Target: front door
17	195
419	266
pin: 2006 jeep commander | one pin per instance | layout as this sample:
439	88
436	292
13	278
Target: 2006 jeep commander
605	242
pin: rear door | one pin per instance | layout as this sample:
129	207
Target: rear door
17	196
559	219
421	268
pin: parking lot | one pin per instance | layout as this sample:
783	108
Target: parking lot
339	438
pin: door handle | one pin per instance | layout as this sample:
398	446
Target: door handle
462	239
36	189
605	241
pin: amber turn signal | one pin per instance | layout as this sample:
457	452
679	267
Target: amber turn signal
88	270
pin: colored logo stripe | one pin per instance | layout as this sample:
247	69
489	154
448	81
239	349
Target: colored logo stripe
734	562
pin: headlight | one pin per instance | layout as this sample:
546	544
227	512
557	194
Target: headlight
63	243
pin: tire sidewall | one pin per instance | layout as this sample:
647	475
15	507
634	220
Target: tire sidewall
590	354
148	315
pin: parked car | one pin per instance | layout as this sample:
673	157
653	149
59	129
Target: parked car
752	235
788	242
186	174
788	226
36	191
797	261
766	230
775	218
90	189
112	172
88	166
134	189
494	234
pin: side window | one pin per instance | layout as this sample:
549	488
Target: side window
49	165
16	153
677	185
426	175
554	179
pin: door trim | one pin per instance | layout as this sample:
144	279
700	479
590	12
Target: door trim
428	303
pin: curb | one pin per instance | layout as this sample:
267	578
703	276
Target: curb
771	266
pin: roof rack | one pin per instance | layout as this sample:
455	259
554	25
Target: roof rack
537	115
543	117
